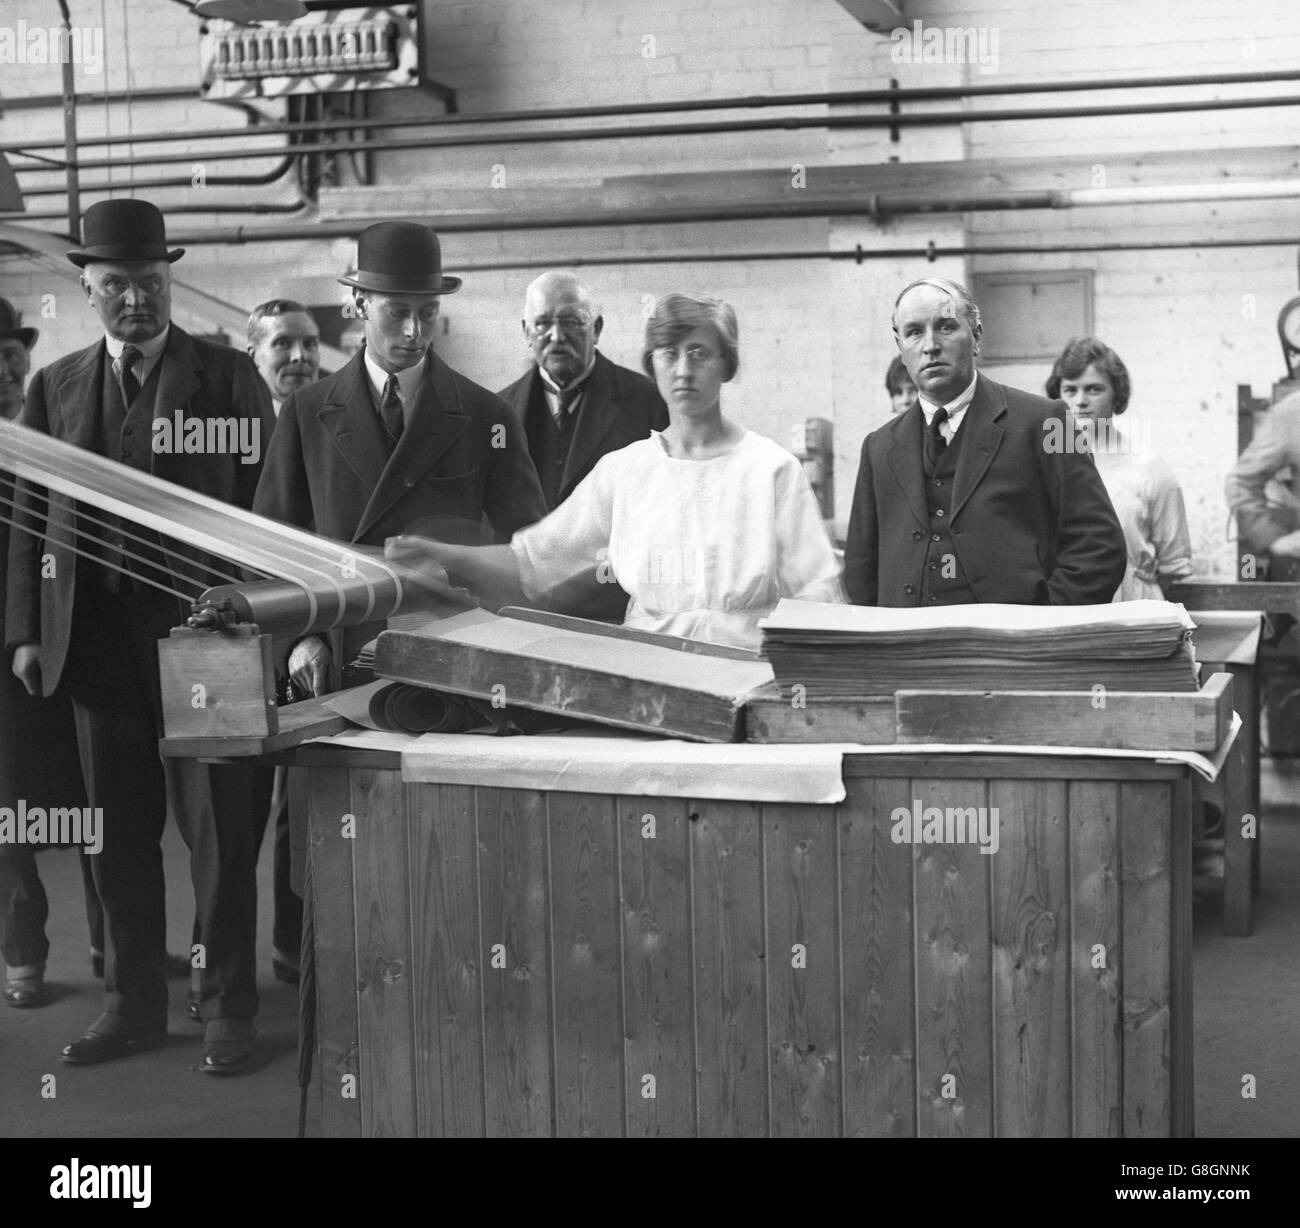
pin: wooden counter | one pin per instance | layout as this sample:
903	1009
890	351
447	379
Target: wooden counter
513	962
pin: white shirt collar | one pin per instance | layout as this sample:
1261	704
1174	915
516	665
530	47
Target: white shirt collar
553	389
408	381
956	409
150	351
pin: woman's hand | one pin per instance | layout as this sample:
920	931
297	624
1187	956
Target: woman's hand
415	552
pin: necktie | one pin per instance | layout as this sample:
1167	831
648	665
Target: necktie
391	409
126	375
567	400
934	441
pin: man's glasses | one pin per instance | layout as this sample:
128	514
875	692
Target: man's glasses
566	324
696	355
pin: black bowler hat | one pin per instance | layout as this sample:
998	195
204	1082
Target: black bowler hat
123	230
400	258
11	325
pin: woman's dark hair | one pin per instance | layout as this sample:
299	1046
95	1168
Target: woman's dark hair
896	376
676	315
1082	353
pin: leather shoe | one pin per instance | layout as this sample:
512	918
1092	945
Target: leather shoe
192	1011
227	1045
111	1036
26	991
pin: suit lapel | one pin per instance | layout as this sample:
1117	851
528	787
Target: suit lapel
349	421
983	439
178	381
78	400
904	458
436	423
598	411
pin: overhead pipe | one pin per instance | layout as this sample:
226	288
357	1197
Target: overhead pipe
832	122
931	252
621	110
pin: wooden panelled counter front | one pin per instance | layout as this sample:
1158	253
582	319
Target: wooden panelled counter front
511	962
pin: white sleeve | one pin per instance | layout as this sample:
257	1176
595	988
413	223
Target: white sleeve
573	539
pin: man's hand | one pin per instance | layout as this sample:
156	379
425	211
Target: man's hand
27	667
309	666
1287	547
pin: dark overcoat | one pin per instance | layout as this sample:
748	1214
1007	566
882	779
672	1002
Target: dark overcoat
1031	521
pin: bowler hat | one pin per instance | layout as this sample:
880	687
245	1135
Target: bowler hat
11	325
400	258
123	230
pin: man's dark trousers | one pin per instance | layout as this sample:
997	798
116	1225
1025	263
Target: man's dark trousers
113	677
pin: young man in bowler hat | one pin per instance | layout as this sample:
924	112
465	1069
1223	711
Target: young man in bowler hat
89	624
396	442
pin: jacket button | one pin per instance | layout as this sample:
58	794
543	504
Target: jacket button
933	597
934	537
907	588
917	535
934	566
938	511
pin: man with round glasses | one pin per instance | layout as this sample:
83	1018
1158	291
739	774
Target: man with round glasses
575	404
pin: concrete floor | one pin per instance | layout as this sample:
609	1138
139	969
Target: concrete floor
160	1093
1246	1004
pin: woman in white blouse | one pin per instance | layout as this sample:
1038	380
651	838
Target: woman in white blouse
705	524
1093	381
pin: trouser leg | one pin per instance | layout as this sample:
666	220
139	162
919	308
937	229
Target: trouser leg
24	908
213	807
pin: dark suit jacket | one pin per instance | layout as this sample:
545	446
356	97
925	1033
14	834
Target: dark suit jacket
65	400
618	407
461	457
1032	524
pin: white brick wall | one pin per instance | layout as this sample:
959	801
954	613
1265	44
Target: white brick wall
815	334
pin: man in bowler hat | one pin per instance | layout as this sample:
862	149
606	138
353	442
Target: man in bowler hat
95	622
396	442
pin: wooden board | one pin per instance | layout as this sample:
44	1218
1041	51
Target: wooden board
1266	596
805	1048
1129	720
338	1063
1133	720
448	958
1031	960
879	977
380	859
217	685
1096	960
586	990
1040	991
772	718
730	969
658	1022
614	681
953	989
513	894
297	723
1144	830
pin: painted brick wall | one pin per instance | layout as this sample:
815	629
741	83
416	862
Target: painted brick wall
815	333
